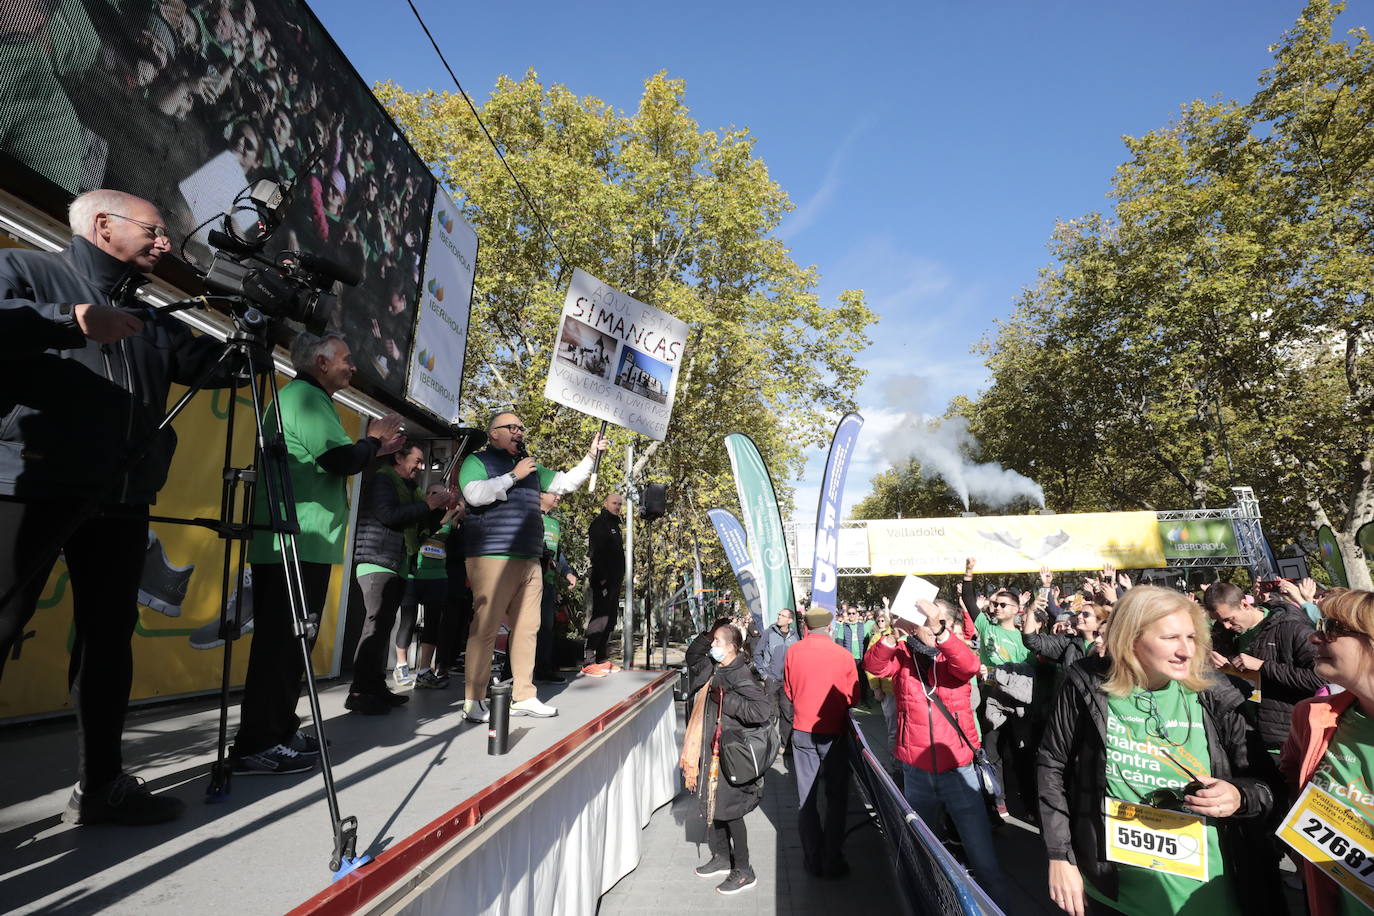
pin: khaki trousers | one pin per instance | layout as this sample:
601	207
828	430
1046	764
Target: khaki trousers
500	588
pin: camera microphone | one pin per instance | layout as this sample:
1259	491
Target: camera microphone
521	453
226	242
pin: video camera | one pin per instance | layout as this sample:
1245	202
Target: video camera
293	285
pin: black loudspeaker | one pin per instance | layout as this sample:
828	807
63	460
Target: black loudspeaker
653	501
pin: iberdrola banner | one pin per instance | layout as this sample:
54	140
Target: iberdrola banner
1016	543
824	572
763	523
736	546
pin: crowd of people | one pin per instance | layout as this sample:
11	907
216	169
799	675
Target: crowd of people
1171	747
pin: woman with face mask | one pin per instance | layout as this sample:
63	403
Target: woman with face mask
732	699
1331	750
1153	792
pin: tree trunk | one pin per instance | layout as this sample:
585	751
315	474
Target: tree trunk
1356	569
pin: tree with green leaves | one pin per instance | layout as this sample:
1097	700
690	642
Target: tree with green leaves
1214	328
677	216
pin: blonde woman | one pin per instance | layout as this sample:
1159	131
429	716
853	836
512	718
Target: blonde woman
1148	783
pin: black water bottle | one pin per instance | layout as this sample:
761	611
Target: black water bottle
498	723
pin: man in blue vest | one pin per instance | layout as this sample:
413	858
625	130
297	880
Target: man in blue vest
504	542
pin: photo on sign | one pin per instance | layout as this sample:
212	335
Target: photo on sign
585	347
643	375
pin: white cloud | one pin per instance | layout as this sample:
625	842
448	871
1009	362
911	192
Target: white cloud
806	214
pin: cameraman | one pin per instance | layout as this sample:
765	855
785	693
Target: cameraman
320	458
82	387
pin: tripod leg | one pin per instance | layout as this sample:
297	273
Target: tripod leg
280	501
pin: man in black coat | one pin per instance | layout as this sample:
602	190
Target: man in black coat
607	551
83	384
1267	646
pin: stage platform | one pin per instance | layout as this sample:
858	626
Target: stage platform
543	829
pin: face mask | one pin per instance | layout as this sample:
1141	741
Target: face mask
717	654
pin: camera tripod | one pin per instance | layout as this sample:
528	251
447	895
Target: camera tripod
247	357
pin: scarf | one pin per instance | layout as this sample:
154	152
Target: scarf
690	759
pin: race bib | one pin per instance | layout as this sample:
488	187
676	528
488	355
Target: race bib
433	550
1173	842
1334	837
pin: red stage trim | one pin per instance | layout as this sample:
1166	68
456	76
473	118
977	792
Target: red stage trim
354	890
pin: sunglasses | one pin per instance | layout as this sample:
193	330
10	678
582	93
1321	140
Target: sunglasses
1329	628
1172	799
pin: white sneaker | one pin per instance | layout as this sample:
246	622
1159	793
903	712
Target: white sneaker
476	710
532	707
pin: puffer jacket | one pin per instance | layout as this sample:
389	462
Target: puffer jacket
75	413
383	520
1072	771
1287	677
745	704
925	737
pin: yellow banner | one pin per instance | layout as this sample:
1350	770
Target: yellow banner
1334	837
1015	543
176	646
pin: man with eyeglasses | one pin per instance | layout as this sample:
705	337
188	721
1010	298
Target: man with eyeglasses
504	542
83	384
1268	646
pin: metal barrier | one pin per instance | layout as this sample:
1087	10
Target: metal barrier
929	878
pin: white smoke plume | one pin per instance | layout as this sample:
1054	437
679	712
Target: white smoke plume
943	448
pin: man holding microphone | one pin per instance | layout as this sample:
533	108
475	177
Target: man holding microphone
504	542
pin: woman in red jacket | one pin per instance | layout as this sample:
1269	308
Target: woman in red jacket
929	666
1331	745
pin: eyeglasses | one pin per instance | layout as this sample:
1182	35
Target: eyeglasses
513	427
1330	628
154	231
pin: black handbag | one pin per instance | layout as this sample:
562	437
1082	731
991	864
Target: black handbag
987	773
746	753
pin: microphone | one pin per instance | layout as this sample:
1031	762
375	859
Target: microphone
521	453
325	267
226	242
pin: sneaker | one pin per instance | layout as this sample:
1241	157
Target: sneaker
549	677
303	744
611	667
475	710
162	585
532	707
1002	811
276	760
124	800
741	879
719	865
367	704
594	670
403	677
428	680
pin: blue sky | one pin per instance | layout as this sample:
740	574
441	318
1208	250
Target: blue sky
929	146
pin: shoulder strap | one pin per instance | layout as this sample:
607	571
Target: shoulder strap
934	698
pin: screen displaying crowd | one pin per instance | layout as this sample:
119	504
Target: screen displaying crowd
186	103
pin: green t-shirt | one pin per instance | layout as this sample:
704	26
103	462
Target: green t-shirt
1243	640
1349	762
473	470
433	560
1138	762
553	536
312	427
998	645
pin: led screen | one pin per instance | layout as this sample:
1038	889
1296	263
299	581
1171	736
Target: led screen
186	103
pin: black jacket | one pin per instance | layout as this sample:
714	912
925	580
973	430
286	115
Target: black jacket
1066	650
73	412
382	521
1072	770
745	703
606	549
1287	677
